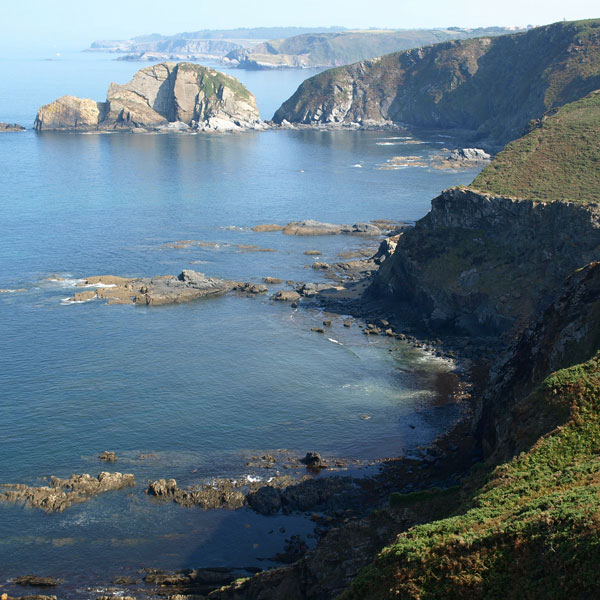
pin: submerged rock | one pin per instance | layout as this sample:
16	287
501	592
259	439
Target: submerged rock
35	581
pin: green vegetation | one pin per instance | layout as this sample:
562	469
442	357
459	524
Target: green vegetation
211	81
531	531
559	159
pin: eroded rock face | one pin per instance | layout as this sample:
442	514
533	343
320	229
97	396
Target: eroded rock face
167	96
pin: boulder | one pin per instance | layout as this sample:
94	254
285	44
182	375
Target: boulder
70	113
286	296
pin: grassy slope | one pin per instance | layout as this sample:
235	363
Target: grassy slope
532	531
559	160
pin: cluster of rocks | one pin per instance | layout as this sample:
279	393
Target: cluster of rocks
6	127
312	228
301	492
63	493
459	158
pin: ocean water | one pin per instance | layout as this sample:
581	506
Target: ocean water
201	386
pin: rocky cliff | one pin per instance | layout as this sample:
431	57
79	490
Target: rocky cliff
490	86
180	96
485	263
480	264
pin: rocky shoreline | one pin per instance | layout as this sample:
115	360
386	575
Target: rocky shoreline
339	504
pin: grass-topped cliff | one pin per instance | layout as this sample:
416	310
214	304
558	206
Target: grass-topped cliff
492	86
559	159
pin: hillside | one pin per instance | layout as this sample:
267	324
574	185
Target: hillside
559	159
323	50
490	86
197	45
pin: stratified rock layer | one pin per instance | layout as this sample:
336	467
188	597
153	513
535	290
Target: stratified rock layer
171	96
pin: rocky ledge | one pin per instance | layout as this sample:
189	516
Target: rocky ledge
154	291
4	127
62	493
310	227
179	97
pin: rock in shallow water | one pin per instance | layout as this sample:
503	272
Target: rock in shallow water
62	493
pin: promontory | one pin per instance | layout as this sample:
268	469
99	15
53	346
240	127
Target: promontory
489	87
163	97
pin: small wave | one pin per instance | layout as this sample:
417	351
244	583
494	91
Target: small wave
253	479
335	342
68	301
233	228
388	143
357	166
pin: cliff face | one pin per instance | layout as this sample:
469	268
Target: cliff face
491	86
189	95
483	264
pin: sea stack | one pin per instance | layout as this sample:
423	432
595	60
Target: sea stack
166	96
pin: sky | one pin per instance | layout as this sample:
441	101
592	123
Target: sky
75	23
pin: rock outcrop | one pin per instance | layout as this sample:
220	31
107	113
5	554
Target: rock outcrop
63	493
167	96
491	87
154	291
6	127
482	264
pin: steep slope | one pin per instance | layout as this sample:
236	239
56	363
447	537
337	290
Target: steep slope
486	263
334	49
532	529
558	158
188	95
490	86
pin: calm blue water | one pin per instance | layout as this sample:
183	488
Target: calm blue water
202	385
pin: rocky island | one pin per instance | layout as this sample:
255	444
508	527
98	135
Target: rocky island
165	97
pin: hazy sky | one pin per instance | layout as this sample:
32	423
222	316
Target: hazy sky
78	22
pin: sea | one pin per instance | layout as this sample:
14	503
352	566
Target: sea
190	391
